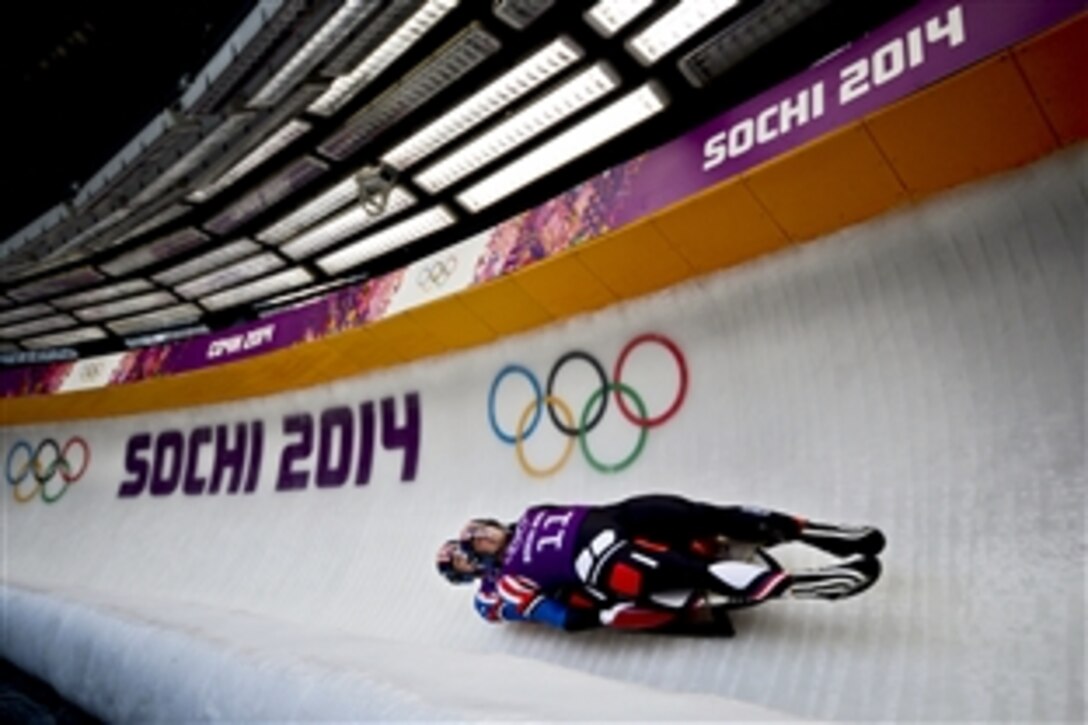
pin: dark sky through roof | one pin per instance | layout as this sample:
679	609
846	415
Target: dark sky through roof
83	77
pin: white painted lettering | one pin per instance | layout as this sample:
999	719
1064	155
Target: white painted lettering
764	131
951	30
742	137
888	62
854	81
793	111
915	52
715	150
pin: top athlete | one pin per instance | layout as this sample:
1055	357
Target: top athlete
644	563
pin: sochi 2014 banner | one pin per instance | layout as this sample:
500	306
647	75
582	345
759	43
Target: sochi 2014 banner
549	408
342	444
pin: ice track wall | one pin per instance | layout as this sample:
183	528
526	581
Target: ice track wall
924	372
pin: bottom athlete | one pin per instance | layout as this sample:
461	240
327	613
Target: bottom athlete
650	563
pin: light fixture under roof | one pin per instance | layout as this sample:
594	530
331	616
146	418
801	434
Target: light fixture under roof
674	27
102	294
608	17
36	326
127	306
208	260
578	93
35	357
313	52
160	319
161	249
604	125
268	148
388	239
63	282
344	225
35	229
520	14
531	73
208	145
290	180
304	296
24	313
738	40
324	204
161	218
230	275
445	66
160	338
76	247
344	88
264	287
66	338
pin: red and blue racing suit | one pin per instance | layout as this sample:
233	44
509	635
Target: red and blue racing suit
569	566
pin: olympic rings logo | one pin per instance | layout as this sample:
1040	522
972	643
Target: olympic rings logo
434	275
43	464
592	411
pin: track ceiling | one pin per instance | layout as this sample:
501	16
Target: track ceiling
88	78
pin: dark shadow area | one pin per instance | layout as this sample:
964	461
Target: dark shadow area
26	699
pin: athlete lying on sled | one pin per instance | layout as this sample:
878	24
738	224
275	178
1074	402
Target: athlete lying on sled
651	563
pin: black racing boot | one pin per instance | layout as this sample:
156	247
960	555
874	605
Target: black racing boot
845	579
843	540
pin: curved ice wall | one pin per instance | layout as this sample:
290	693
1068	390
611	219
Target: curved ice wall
923	372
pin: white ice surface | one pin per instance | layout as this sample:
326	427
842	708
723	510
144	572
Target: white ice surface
924	372
155	661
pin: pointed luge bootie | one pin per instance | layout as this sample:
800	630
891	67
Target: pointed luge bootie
844	579
843	540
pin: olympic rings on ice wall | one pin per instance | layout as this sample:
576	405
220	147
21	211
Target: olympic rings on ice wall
43	465
591	412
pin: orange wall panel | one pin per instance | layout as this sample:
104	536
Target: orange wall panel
505	307
451	322
841	180
634	261
1055	65
356	353
563	286
374	350
976	123
406	337
720	227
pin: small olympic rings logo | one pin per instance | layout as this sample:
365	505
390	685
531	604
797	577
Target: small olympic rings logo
592	411
43	464
434	275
